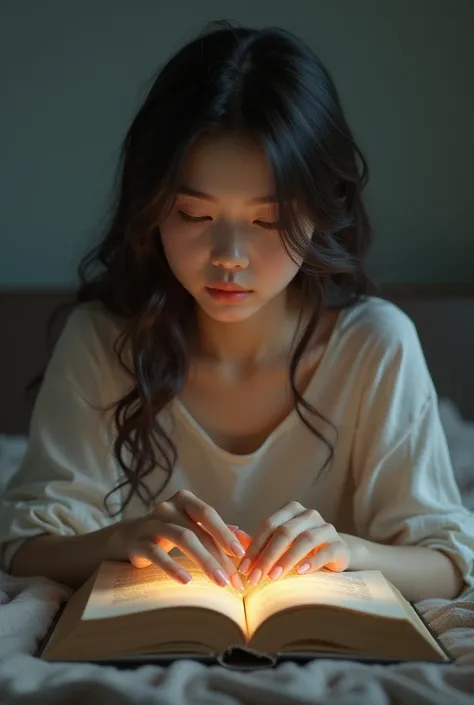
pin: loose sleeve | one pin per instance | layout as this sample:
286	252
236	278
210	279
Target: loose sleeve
68	467
406	491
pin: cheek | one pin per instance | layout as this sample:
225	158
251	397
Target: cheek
181	249
277	264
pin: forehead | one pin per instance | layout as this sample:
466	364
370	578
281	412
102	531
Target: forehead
228	166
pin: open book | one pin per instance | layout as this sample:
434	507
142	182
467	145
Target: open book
126	611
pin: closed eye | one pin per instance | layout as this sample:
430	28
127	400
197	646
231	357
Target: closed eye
192	218
266	225
202	218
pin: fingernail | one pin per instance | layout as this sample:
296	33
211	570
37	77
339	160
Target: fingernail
237	549
236	581
220	578
303	568
233	527
254	577
183	576
275	572
244	566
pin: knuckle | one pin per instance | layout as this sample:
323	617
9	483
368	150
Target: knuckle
330	528
183	495
161	508
313	515
268	525
284	532
186	536
295	506
310	535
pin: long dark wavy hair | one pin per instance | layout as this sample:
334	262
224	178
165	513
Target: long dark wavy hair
265	84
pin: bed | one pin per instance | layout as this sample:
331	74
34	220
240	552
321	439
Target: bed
444	317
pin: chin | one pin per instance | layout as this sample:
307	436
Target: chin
229	314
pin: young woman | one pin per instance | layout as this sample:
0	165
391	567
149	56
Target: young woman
226	366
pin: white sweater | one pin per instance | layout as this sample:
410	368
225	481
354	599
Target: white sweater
390	479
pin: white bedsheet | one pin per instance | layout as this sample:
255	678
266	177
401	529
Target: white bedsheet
27	607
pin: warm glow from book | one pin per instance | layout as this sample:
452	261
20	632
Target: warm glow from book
120	589
366	592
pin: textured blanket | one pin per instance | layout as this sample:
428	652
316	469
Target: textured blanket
28	606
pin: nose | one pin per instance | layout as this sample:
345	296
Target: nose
229	252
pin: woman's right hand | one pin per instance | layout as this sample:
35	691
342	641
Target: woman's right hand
191	525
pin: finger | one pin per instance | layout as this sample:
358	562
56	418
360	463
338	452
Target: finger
207	517
172	515
227	563
289	540
244	538
147	553
169	513
334	556
189	540
266	530
309	542
298	530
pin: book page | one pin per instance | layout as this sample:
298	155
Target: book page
121	589
363	591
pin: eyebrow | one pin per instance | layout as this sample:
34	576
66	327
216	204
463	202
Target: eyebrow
187	191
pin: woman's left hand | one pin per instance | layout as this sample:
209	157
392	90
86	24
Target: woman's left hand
294	536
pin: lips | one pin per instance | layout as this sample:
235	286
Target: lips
230	288
228	294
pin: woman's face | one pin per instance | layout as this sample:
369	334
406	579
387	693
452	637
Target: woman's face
223	232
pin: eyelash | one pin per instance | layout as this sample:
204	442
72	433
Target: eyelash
201	219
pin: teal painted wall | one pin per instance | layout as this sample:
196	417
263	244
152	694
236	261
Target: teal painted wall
72	75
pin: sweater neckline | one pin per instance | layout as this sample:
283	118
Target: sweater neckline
286	424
